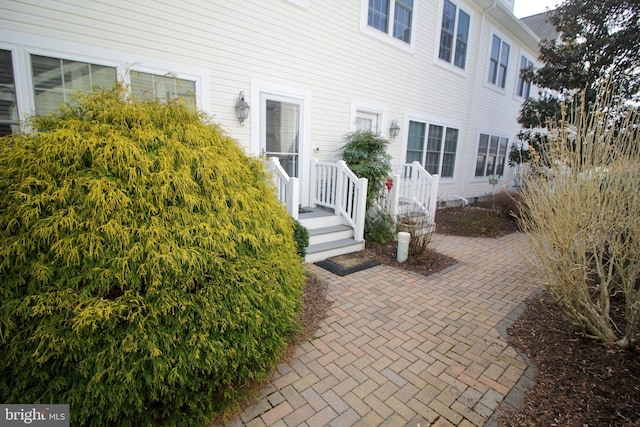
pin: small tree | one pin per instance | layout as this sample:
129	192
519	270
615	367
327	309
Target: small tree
599	40
366	155
148	270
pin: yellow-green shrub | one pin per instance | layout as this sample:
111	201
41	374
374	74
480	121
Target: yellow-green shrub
148	270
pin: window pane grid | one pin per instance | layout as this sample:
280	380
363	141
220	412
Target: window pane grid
454	35
447	31
379	14
492	153
524	85
462	40
504	62
55	79
149	86
493	62
402	21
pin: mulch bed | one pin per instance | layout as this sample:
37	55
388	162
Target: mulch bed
580	382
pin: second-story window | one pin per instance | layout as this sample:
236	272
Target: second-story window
524	85
400	12
379	15
499	62
454	35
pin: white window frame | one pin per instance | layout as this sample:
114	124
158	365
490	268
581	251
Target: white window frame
445	124
460	6
503	41
25	45
519	79
490	134
372	109
387	36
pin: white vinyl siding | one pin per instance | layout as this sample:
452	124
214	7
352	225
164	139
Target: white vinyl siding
228	47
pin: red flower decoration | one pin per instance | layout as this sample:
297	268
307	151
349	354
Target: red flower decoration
389	184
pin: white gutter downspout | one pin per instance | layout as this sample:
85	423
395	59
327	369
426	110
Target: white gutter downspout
473	96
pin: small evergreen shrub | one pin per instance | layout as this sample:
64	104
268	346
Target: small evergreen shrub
148	270
366	155
301	238
380	228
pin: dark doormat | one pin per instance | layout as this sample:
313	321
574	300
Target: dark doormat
349	263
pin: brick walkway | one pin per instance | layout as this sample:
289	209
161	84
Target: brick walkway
401	349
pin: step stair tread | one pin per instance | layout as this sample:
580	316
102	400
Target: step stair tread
332	245
327	230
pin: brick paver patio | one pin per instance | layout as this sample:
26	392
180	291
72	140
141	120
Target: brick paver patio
402	349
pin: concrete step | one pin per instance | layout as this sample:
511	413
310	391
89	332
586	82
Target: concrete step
329	234
323	251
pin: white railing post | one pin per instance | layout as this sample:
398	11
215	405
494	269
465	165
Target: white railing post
293	197
313	196
287	188
394	197
361	208
433	198
340	187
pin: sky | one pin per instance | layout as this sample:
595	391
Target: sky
524	8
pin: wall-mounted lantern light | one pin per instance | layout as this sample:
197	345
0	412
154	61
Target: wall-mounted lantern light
394	130
242	108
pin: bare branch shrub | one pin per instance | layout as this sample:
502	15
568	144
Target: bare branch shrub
417	224
581	213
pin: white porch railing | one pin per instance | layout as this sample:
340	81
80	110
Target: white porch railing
287	188
335	186
413	188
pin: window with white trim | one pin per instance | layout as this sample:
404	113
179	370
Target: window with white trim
433	146
523	89
400	12
498	62
492	152
454	35
9	119
153	86
55	80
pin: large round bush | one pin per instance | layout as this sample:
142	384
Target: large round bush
148	271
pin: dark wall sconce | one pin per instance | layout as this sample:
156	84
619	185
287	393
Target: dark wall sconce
394	130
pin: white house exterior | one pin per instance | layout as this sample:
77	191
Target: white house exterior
311	70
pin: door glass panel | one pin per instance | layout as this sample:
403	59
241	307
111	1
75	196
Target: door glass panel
282	133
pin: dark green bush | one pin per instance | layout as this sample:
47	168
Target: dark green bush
148	271
301	238
380	228
366	155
